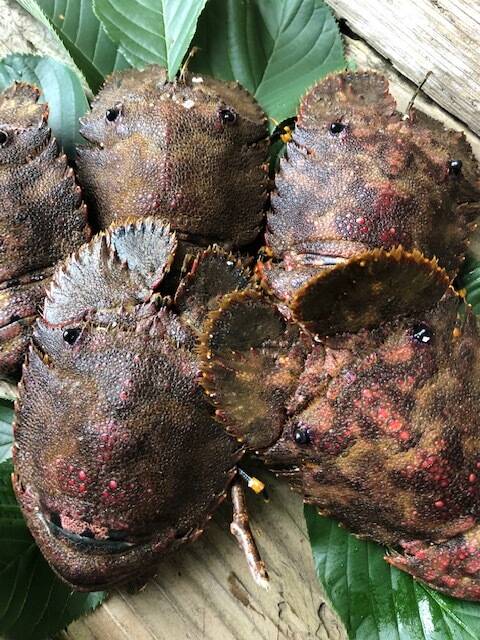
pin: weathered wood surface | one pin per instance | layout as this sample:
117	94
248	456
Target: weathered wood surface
418	36
205	591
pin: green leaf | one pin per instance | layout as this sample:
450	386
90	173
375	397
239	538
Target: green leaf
60	87
34	603
470	280
84	37
276	49
150	31
6	433
376	601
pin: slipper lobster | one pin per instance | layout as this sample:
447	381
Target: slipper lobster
42	217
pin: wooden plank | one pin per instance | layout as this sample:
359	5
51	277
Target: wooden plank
418	36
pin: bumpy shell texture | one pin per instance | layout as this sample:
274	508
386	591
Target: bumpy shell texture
118	457
378	428
192	151
42	218
358	176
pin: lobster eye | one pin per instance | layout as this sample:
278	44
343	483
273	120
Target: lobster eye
455	167
337	127
71	335
112	114
422	333
228	116
302	436
3	138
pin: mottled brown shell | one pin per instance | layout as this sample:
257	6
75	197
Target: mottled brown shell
42	218
118	457
191	151
358	175
379	429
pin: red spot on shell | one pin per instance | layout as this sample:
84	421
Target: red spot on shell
472	478
82	488
384	413
360	220
449	581
113	485
395	425
473	566
404	435
123	395
82	475
428	462
439	504
367	394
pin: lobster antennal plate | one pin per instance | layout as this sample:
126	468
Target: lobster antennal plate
369	289
245	363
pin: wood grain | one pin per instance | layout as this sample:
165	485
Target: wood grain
417	36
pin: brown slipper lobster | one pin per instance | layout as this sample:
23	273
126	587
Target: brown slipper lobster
118	457
352	370
370	407
358	175
192	151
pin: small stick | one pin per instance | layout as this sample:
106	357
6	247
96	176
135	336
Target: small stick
183	70
240	528
417	91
